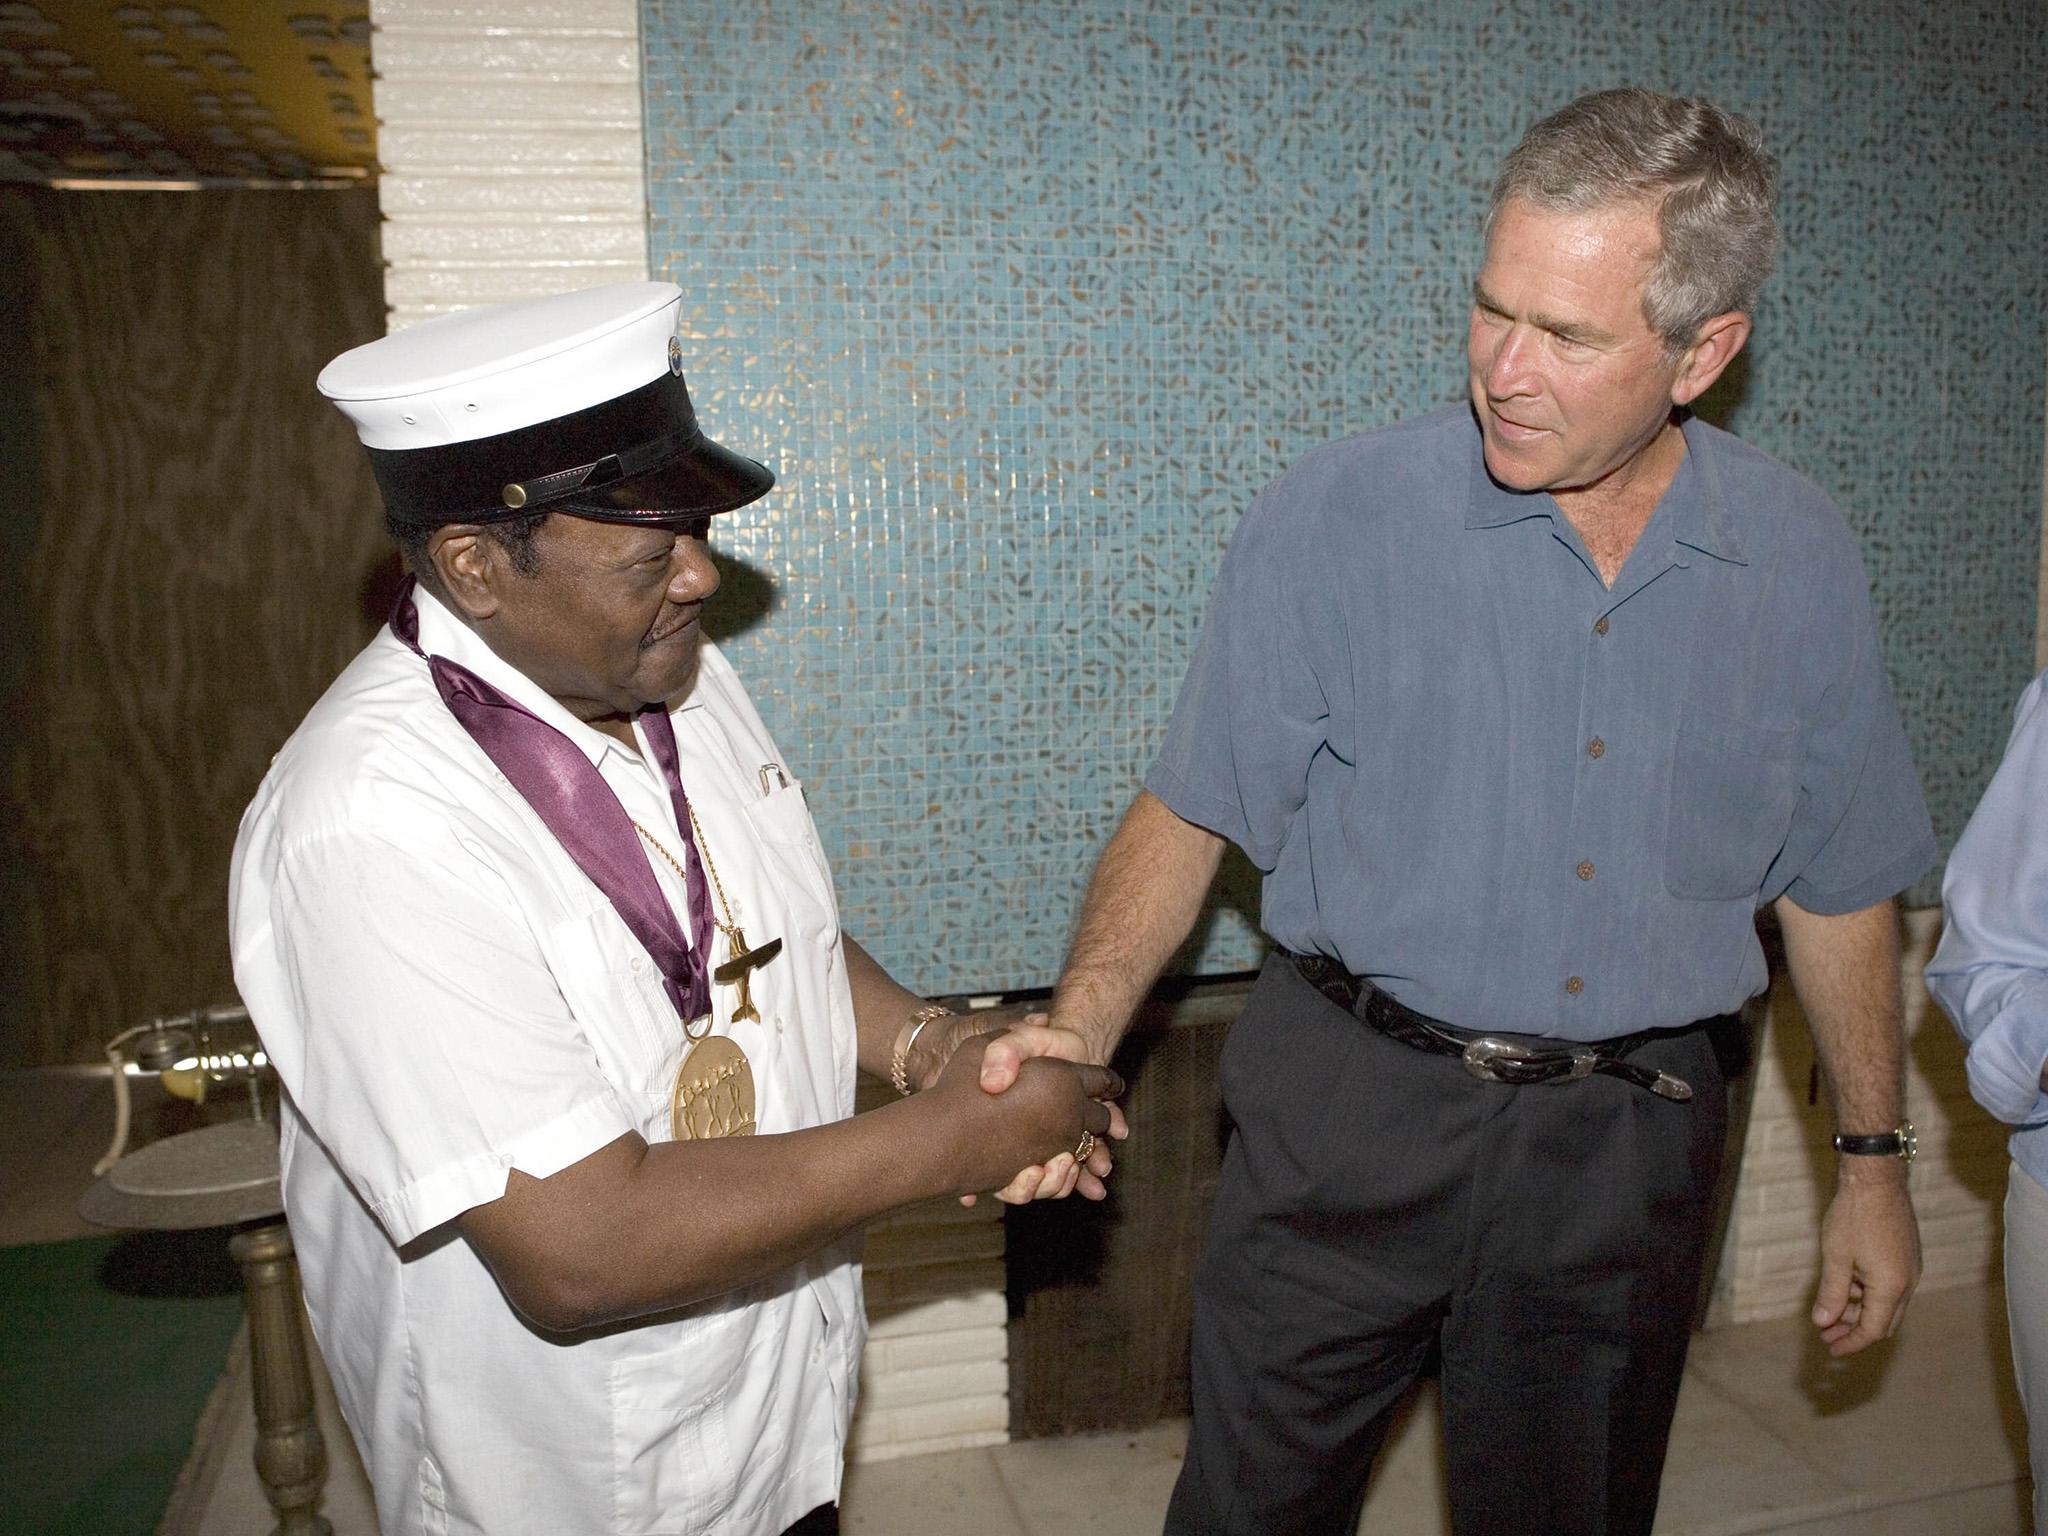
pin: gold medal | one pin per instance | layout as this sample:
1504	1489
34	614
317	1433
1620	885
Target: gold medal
714	1092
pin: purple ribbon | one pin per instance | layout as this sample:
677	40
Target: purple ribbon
563	786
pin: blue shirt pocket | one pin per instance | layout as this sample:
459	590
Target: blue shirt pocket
1734	788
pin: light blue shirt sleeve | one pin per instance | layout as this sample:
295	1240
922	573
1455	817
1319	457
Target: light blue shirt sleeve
1990	971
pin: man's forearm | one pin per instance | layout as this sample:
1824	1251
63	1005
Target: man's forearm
633	1228
1146	893
881	1007
1846	969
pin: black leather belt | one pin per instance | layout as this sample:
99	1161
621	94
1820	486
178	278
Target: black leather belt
1489	1057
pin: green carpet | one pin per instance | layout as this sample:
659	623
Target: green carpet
108	1349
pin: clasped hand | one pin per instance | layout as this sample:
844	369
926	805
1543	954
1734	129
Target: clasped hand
1020	1035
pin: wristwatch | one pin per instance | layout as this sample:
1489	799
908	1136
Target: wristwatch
1901	1143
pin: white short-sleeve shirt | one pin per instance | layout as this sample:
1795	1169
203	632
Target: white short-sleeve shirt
446	996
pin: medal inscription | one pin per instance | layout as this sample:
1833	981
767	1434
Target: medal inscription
714	1092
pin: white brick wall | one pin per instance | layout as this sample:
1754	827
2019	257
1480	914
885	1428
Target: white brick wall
1771	1258
510	139
509	133
936	1376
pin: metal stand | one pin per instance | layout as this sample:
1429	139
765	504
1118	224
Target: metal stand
291	1456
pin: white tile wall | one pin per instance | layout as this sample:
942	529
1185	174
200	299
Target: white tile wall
509	133
1771	1257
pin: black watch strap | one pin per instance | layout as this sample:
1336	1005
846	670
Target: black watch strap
1899	1143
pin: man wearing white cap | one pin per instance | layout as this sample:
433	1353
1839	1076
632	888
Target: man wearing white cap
532	917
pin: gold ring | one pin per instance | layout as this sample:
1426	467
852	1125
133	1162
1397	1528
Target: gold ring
1087	1146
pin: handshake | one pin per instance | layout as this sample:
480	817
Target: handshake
1034	1111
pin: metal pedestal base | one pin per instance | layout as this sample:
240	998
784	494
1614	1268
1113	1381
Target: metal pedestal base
221	1176
291	1456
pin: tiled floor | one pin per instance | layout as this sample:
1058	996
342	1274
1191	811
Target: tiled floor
1924	1441
1922	1438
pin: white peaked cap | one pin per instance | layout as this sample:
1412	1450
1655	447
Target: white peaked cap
573	402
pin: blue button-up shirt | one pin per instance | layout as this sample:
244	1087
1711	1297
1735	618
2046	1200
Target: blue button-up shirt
1990	971
1516	797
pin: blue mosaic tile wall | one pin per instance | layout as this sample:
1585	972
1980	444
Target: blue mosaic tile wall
1027	300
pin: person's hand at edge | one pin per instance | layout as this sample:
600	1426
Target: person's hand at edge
1869	1261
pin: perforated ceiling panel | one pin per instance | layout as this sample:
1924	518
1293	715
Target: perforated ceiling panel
263	89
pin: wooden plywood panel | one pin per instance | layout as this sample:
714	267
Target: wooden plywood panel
201	534
1101	1296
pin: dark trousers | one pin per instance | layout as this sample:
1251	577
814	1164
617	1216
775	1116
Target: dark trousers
822	1521
1377	1202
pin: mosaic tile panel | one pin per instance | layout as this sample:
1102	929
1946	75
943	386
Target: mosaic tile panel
1026	301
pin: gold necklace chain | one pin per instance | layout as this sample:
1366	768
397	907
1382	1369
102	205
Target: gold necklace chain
730	925
741	958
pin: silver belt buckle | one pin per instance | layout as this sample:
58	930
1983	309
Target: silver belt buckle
1482	1054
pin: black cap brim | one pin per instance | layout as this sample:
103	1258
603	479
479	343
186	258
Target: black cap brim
638	458
707	479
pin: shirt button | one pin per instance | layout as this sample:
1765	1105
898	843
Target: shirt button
639	965
1600	625
1575	985
1585	869
1596	748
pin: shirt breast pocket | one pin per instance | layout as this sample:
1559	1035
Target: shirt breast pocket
1734	787
673	1463
613	988
782	821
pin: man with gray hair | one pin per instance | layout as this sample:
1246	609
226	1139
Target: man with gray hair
1524	708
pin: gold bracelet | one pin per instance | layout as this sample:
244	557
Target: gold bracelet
906	1040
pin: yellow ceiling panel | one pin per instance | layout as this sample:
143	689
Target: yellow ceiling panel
235	89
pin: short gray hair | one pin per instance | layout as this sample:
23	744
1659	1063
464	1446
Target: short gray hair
1714	185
